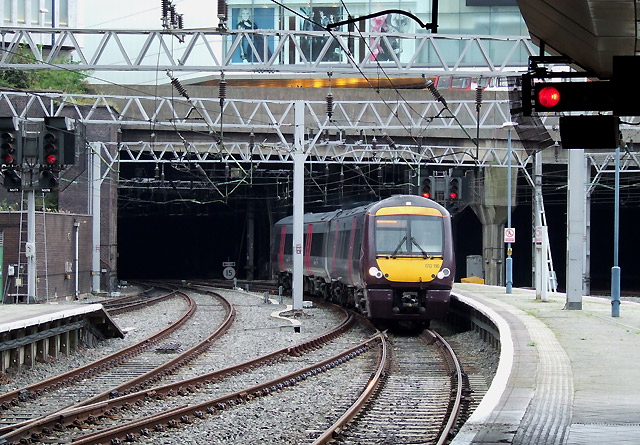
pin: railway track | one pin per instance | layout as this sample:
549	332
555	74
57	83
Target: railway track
189	402
168	401
414	396
129	370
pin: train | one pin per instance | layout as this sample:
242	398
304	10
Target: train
392	260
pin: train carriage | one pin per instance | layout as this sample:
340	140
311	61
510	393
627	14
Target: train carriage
392	260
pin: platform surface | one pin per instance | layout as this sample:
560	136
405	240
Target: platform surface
16	316
565	376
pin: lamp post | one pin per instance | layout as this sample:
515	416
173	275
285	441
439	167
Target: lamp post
509	272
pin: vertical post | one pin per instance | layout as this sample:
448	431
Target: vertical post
615	270
537	214
31	245
76	265
509	261
1	266
250	240
96	181
575	229
298	205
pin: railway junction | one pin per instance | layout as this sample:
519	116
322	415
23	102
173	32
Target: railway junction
553	380
150	156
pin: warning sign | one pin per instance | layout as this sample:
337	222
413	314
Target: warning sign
510	235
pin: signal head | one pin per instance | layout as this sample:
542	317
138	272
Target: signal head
549	97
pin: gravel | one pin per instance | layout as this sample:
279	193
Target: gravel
288	416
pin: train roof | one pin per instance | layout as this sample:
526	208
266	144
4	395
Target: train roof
396	200
404	200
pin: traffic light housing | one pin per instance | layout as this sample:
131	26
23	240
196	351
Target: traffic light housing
454	189
10	153
427	190
58	142
48	180
573	96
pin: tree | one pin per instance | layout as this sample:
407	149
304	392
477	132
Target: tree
66	81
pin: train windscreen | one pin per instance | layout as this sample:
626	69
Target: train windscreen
409	235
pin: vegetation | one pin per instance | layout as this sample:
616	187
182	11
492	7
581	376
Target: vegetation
65	81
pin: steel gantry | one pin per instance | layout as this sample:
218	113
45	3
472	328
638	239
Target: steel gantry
210	50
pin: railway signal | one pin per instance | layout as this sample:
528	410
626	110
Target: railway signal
60	140
573	96
427	188
454	189
10	153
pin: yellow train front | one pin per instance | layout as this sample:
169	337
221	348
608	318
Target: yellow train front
392	260
408	263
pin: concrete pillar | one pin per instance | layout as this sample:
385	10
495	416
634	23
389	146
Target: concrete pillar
41	350
64	343
73	340
54	346
250	239
492	213
30	351
575	229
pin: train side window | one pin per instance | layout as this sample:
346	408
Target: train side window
317	241
288	244
344	244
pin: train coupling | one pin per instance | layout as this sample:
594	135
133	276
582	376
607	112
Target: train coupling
409	302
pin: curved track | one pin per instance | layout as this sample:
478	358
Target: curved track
128	370
413	397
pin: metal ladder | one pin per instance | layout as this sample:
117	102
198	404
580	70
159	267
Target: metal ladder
552	283
40	244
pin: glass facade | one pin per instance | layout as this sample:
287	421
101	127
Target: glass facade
36	12
455	17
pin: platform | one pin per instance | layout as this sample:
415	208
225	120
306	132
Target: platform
565	376
38	332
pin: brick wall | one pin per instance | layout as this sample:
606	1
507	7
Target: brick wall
60	249
73	201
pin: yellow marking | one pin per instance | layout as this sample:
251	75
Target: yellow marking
409	270
408	210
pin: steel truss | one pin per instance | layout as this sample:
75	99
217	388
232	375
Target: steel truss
282	51
415	118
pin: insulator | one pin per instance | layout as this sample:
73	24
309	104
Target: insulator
434	91
180	21
374	143
178	86
172	12
222	91
478	96
329	105
165	8
222	9
388	139
252	140
227	171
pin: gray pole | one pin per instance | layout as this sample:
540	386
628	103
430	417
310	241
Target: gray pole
31	245
575	228
298	205
509	260
615	270
96	181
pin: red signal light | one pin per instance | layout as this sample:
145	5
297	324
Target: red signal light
549	97
50	159
426	195
7	159
453	195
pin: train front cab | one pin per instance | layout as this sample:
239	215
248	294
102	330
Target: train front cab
410	264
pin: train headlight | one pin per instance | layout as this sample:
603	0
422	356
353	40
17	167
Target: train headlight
375	272
444	273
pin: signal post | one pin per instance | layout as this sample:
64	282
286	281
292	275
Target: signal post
32	154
